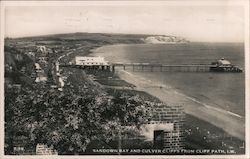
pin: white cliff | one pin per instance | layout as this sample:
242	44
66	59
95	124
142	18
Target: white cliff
164	40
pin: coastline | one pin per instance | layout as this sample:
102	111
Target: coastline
230	122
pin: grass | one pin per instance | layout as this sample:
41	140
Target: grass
114	82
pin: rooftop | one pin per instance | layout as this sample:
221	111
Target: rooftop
224	62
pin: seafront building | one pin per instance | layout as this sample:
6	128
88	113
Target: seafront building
90	61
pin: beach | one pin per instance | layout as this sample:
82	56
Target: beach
228	121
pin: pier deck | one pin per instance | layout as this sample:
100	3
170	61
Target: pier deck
148	67
163	68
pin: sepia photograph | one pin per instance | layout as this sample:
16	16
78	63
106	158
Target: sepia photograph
129	78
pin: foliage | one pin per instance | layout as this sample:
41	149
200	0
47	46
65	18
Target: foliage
70	120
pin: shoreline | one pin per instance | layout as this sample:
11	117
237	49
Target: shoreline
230	122
199	134
206	113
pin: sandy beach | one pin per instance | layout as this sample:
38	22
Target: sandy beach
230	122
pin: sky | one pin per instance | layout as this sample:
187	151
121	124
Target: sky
195	23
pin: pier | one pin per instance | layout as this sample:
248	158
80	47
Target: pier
147	67
98	63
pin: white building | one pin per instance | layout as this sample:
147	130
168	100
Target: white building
223	62
61	82
37	66
57	66
90	61
40	79
42	49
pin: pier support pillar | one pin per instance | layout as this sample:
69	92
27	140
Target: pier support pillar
108	68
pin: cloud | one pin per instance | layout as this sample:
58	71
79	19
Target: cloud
198	23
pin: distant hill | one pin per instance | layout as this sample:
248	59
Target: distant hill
97	38
109	38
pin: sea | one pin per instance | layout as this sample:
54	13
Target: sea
221	90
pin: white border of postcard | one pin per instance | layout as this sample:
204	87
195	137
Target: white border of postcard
244	3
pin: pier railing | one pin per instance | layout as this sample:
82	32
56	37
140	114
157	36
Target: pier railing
163	68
